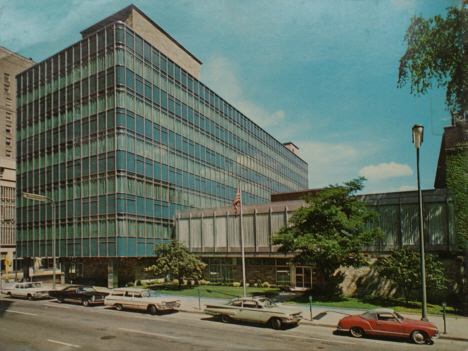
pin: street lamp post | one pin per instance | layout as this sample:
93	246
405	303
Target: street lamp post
418	132
42	198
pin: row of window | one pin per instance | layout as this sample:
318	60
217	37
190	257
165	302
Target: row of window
193	123
98	228
208	101
71	131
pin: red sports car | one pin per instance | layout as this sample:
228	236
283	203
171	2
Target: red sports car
387	322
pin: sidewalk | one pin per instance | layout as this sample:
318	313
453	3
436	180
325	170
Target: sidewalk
457	327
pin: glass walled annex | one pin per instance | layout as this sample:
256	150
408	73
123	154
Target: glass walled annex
120	138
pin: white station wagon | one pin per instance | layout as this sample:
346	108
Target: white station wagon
140	299
29	290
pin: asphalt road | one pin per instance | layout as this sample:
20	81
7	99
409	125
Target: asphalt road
47	325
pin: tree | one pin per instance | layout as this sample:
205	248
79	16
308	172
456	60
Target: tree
403	267
330	230
176	259
437	52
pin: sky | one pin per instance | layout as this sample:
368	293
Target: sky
320	74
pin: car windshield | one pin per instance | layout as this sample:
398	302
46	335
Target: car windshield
267	303
89	289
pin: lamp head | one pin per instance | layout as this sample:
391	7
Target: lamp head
418	133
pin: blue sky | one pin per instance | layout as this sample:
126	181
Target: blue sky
322	74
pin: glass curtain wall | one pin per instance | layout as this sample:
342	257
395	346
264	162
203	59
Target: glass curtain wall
120	138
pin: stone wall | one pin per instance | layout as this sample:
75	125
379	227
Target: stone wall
366	281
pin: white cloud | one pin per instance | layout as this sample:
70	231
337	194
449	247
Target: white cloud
220	74
331	163
385	170
322	153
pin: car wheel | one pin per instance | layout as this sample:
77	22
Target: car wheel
152	310
357	332
226	319
276	323
85	303
118	307
419	337
30	297
59	299
10	295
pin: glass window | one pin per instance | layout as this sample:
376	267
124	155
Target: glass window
129	39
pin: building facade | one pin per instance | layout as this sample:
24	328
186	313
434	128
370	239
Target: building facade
214	234
118	130
10	65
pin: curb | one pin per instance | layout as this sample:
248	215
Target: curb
307	322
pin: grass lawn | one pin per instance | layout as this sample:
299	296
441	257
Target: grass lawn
364	303
368	302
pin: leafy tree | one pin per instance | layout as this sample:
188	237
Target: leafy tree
437	52
330	230
176	259
404	268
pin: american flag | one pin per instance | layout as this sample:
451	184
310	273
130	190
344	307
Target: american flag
237	200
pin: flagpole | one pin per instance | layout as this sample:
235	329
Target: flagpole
242	241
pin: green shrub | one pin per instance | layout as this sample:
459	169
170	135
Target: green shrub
175	281
138	282
259	282
251	282
236	284
202	282
266	285
130	284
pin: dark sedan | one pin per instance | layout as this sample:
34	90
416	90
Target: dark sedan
86	295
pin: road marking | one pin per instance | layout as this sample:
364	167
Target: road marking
157	319
57	306
63	343
136	331
29	314
303	337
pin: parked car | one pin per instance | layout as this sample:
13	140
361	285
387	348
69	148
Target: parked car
87	295
140	299
258	310
387	322
29	290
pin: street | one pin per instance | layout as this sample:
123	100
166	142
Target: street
47	325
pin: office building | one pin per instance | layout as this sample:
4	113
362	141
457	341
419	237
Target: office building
10	65
120	133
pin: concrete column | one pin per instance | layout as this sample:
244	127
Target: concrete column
202	244
292	275
112	273
215	241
